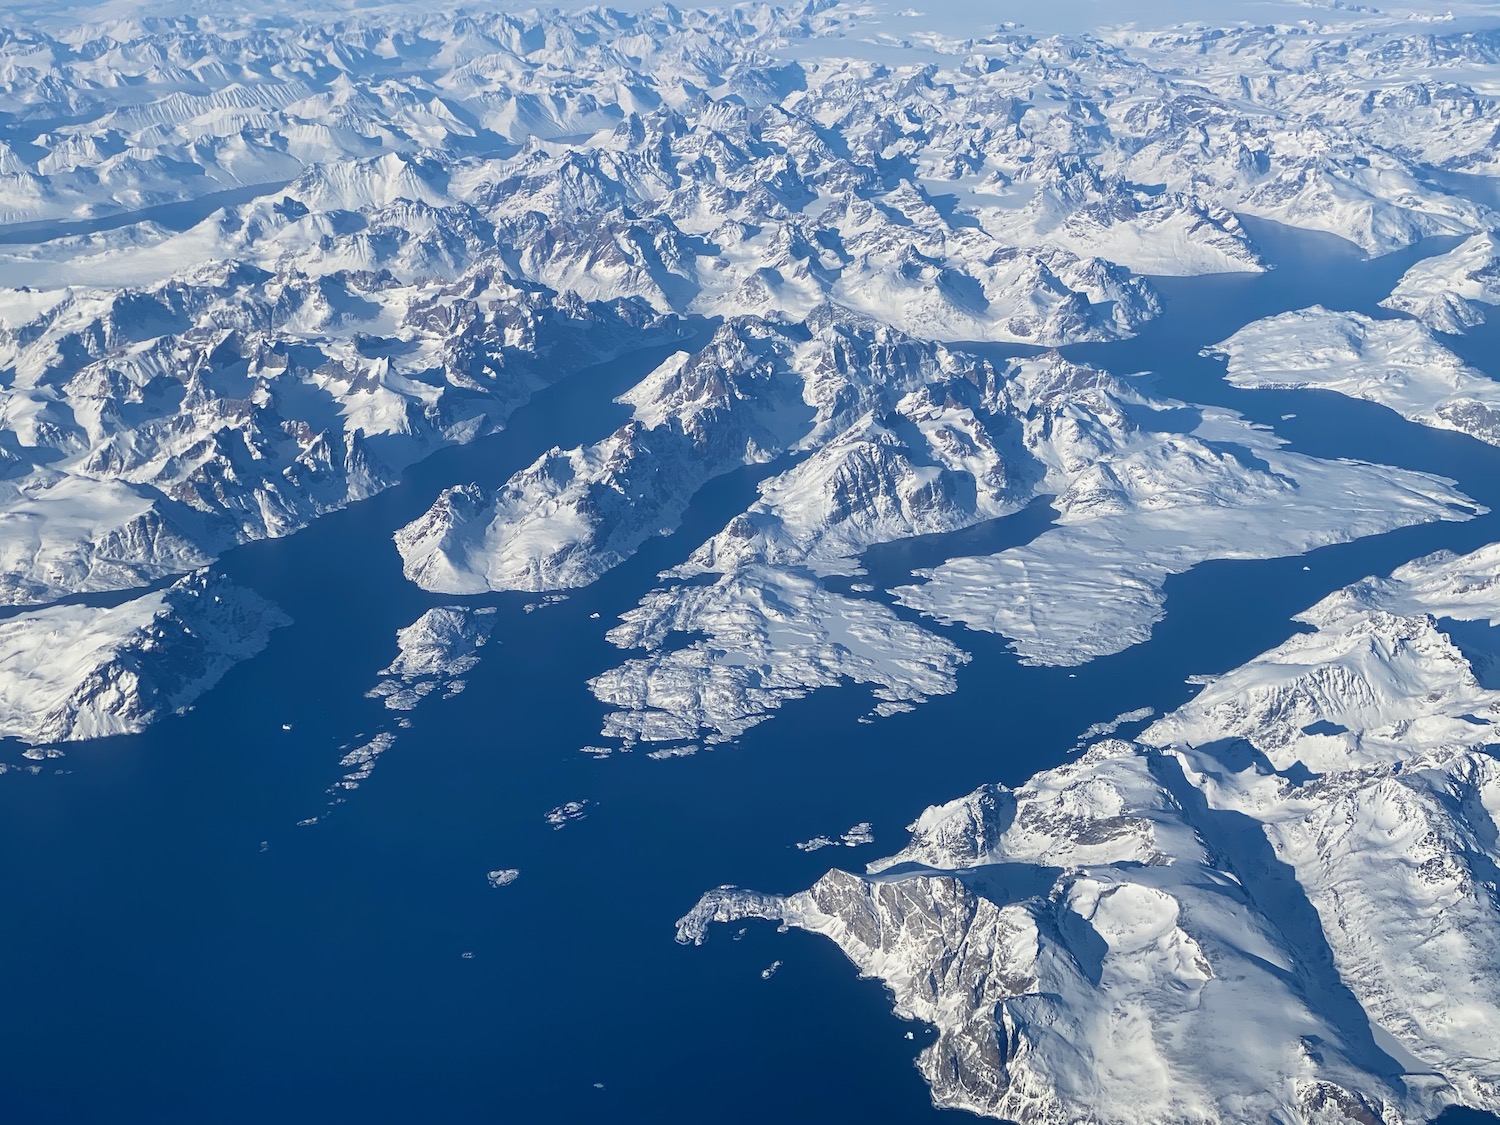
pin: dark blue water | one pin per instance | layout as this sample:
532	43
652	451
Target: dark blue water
163	969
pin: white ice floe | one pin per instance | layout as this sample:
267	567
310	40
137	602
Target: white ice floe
567	813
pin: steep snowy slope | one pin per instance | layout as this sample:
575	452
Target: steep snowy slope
573	514
74	672
1008	191
146	430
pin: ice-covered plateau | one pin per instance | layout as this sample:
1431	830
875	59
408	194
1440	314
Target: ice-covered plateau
257	264
74	672
1279	903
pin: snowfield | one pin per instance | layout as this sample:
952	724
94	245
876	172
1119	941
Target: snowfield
1455	291
1398	364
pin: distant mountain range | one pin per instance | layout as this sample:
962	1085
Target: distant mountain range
258	266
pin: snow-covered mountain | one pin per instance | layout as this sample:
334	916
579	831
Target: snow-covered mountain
753	161
448	197
1452	292
1399	364
147	430
895	437
258	265
1279	903
573	514
75	672
1134	505
433	653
